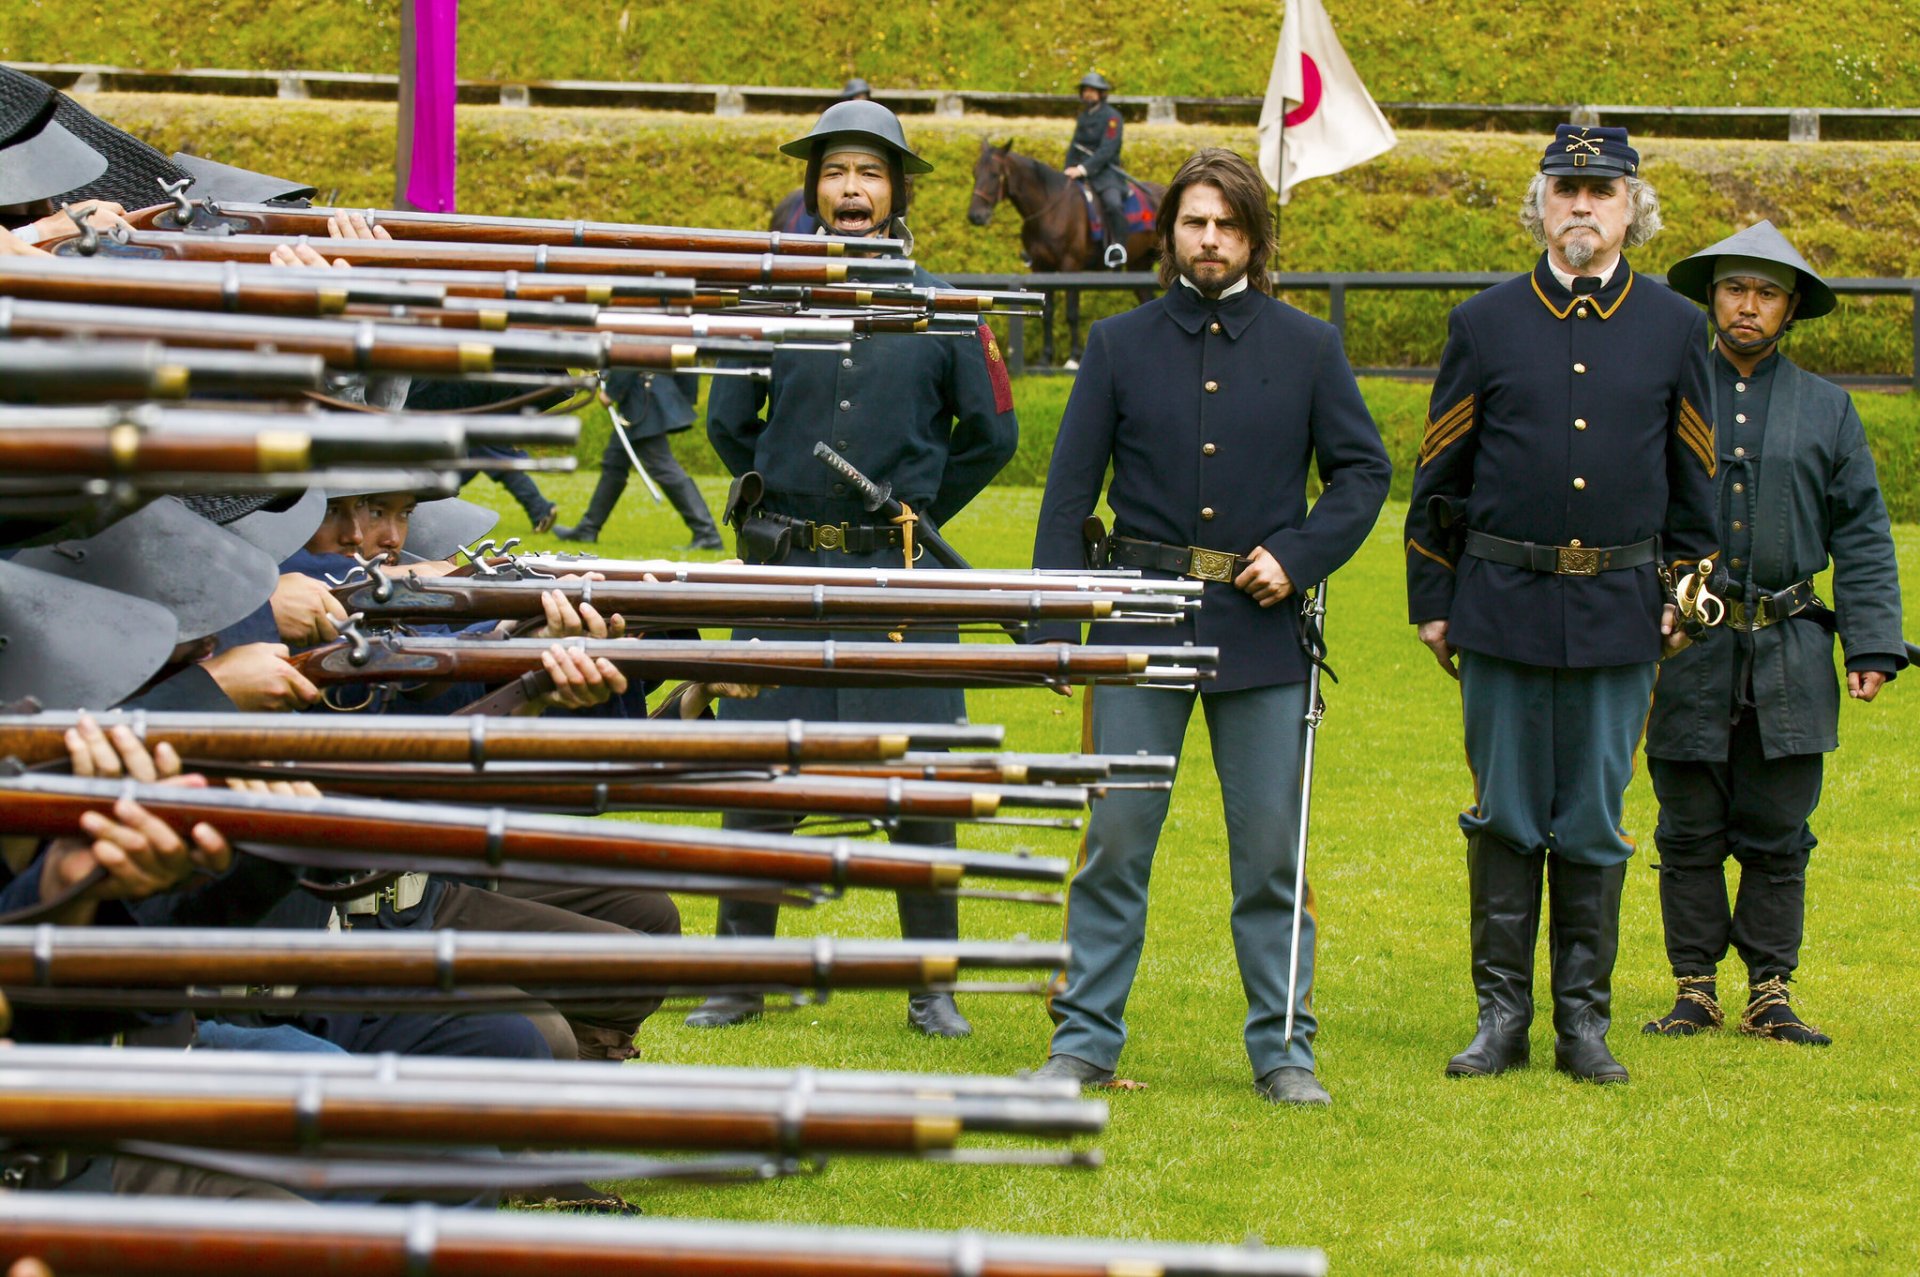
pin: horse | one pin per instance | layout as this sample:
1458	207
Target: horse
1055	228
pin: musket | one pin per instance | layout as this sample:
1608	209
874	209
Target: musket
365	345
389	657
598	788
375	438
219	286
1012	769
716	268
180	967
48	372
231	218
36	495
211	1107
629	290
553	563
477	742
356	833
942	300
645	604
79	1235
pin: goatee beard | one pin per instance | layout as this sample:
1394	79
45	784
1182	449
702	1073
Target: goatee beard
1579	253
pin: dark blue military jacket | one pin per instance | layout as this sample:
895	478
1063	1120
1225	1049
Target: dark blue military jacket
1210	417
1097	137
1806	492
1572	423
927	414
653	403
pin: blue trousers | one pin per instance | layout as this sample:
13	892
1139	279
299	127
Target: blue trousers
1552	752
1257	737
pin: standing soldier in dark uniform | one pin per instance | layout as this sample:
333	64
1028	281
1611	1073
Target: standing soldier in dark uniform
1566	455
931	415
648	407
1742	719
1209	446
1094	157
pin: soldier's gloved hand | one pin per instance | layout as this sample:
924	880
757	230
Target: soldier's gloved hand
1434	635
1673	636
256	677
304	610
1264	578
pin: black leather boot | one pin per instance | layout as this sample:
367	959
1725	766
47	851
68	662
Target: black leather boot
925	916
1504	886
1584	937
606	495
723	1010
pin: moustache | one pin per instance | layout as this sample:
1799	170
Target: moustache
1578	223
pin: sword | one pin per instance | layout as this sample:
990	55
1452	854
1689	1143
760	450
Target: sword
620	432
1313	615
879	499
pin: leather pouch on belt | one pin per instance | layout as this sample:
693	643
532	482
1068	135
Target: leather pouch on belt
764	540
744	495
1093	533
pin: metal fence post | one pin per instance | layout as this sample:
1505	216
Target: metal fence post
1016	346
1337	308
1916	340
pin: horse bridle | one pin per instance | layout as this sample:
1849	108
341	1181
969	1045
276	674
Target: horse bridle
1025	218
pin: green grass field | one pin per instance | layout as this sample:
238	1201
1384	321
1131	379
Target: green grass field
1724	1155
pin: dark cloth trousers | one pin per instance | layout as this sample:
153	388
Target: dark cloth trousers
656	454
1755	810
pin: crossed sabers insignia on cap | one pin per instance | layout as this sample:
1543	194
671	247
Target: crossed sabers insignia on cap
1591	145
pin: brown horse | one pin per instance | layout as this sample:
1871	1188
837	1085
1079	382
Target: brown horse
1055	230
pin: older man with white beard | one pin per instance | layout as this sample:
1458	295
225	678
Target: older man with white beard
1566	475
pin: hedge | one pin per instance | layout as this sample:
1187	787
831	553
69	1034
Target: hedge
1780	53
1439	201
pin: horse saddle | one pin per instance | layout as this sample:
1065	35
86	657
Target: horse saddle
1138	210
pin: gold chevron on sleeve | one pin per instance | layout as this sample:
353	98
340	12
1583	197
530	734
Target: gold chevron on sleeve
1445	429
1698	436
1414	547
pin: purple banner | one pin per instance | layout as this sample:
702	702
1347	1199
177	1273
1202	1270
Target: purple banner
431	167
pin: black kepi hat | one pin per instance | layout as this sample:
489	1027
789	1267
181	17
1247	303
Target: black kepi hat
1762	244
1589	150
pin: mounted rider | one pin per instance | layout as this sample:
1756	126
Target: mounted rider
1094	157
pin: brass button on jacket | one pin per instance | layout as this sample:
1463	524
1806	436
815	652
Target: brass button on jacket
1206	512
1212	387
1580	483
1209	449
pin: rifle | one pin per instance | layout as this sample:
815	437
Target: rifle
1014	769
152	968
44	372
353	833
215	1107
227	286
389	658
554	563
79	1234
716	268
36	737
367	346
644	604
233	218
944	301
630	290
595	789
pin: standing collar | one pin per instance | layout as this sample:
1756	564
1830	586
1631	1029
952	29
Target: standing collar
1760	369
1191	311
1566	280
1560	301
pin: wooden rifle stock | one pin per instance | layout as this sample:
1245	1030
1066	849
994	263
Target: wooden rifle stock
227	217
54	372
227	286
117	1236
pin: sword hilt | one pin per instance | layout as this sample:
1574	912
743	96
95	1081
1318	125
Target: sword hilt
874	494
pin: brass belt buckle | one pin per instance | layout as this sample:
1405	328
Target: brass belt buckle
829	536
1572	560
1209	565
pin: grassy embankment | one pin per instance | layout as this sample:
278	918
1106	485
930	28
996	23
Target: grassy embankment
1768	53
1723	1156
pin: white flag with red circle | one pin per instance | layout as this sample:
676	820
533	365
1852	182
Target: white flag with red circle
1318	118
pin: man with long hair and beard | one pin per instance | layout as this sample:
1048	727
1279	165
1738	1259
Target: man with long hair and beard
1211	405
1565	478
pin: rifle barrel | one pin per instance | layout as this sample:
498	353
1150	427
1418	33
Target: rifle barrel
873	578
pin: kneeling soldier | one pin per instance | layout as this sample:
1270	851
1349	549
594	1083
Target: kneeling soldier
1742	720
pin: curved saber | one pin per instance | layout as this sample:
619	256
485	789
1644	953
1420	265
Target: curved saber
1312	618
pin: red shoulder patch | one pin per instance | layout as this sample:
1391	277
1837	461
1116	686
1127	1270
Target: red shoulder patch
996	370
1113	126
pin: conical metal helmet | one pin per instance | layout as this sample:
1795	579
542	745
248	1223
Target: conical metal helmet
1693	277
867	122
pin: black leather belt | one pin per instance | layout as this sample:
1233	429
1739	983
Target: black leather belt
848	538
1181	560
1562	560
1772	608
